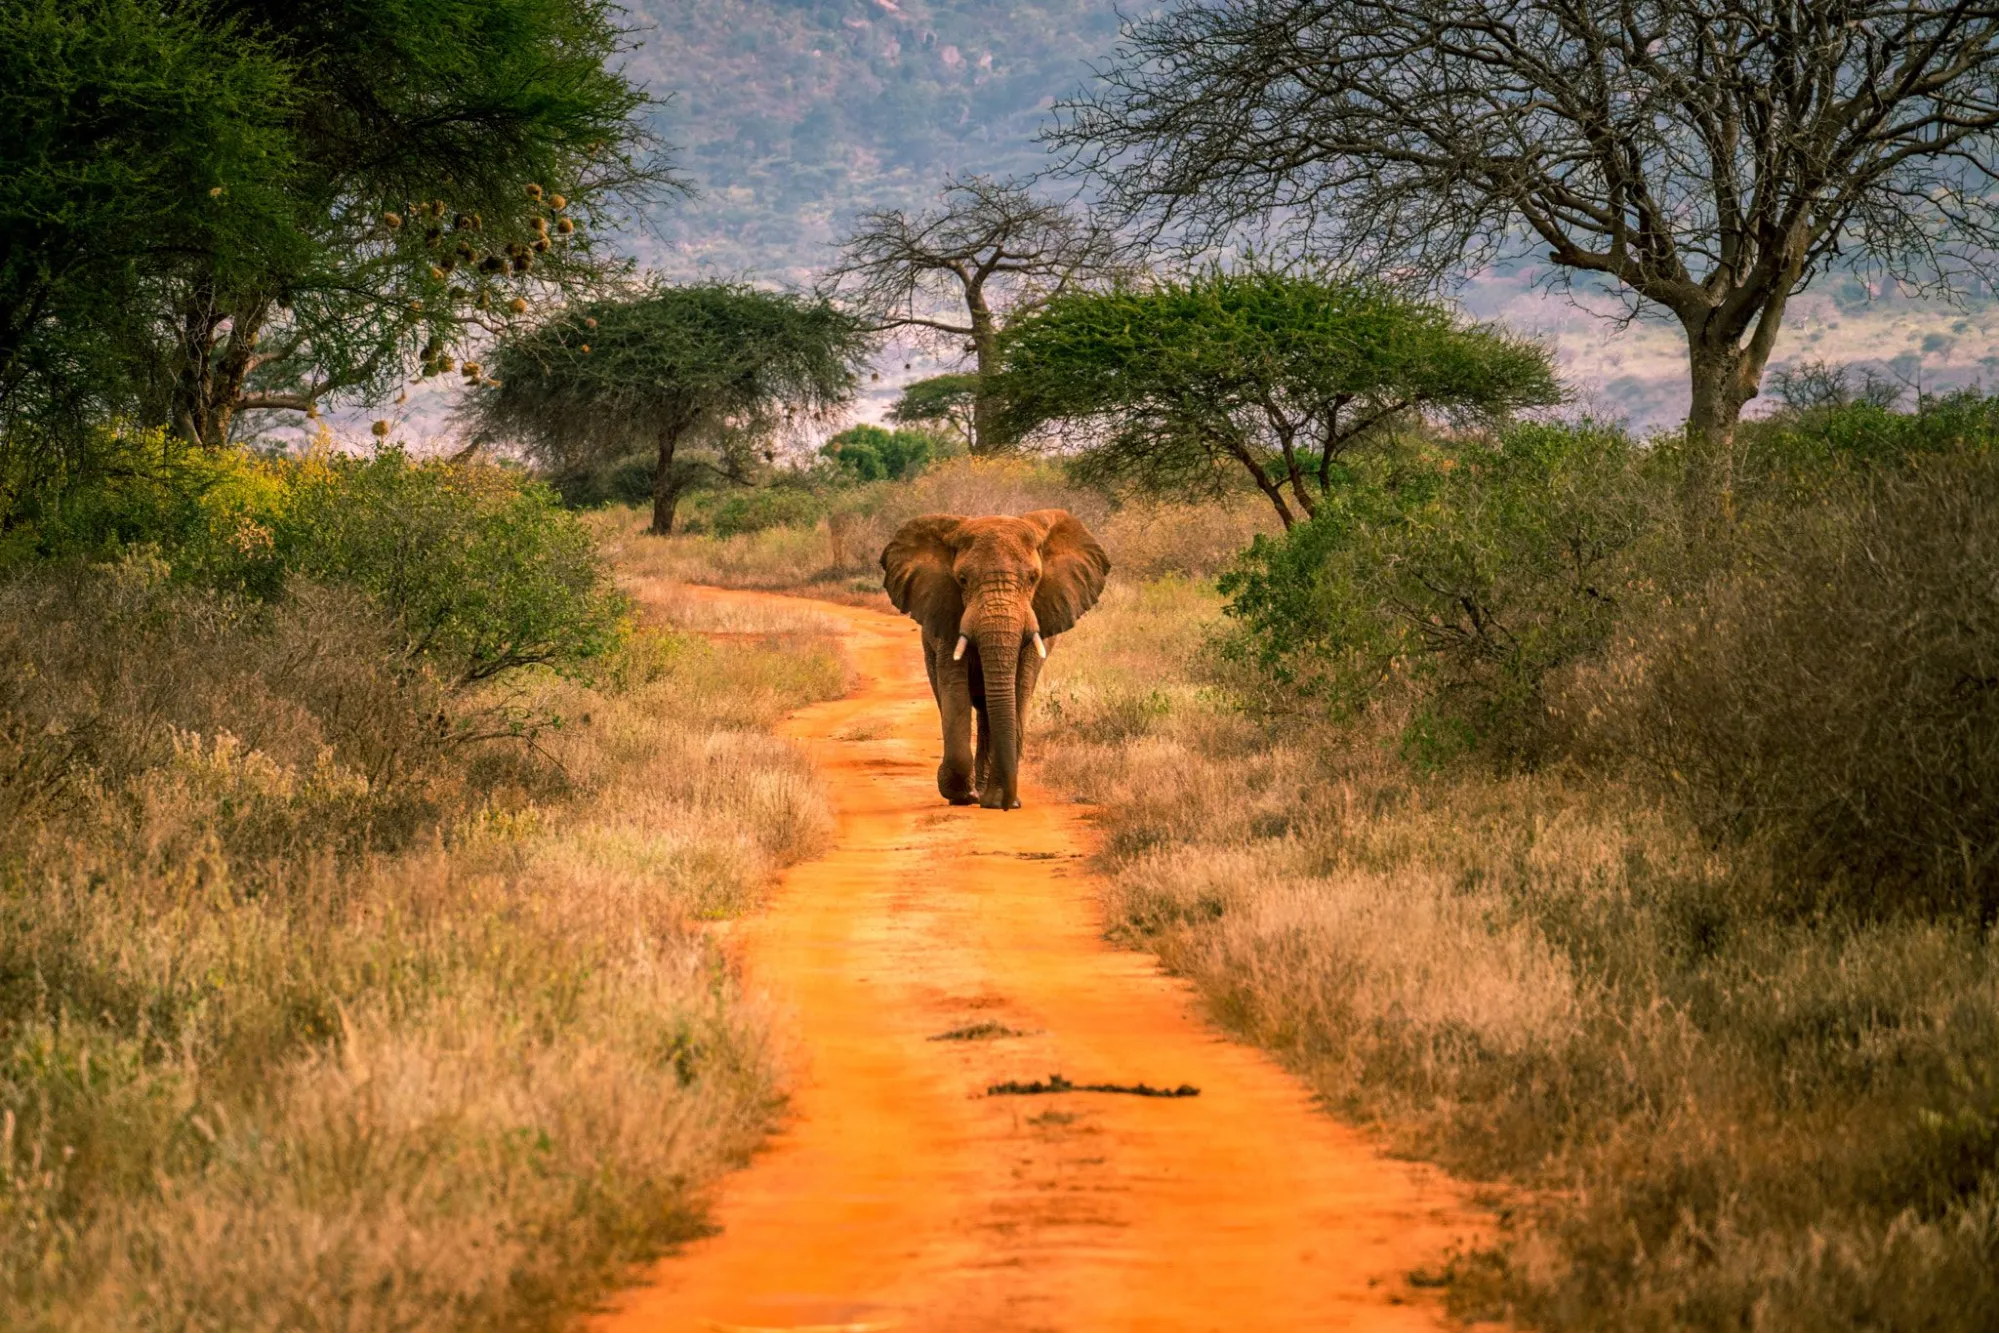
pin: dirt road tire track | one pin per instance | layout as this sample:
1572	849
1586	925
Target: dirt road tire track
901	1196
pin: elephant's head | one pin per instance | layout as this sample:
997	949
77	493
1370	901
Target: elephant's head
1002	587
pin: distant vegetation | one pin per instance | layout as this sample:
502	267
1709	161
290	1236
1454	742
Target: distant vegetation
988	256
704	376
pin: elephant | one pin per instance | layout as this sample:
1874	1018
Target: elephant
990	593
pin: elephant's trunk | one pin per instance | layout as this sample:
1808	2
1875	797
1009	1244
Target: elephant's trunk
999	660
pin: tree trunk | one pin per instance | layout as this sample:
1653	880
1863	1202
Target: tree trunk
1726	373
1707	487
986	435
215	365
665	486
1264	482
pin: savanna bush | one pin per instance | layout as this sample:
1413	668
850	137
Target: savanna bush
622	481
1455	578
209	511
480	567
321	1006
1833	695
1717	1117
732	513
868	453
114	673
1793	453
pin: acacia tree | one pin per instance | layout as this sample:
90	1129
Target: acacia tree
450	159
714	365
991	246
1185	387
1708	157
136	134
941	400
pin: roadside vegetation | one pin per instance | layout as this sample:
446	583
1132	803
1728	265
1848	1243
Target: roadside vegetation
354	836
1657	884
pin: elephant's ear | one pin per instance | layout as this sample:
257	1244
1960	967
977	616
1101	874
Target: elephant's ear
1073	570
916	571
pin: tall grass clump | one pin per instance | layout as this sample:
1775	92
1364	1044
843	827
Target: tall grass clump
354	834
1681	932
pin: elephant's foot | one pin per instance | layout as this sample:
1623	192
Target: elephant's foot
955	787
996	801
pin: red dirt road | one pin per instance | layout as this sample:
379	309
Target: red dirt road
902	1196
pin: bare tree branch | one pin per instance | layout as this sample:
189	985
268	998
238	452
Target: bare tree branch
1710	157
991	248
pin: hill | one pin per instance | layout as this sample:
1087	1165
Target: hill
791	117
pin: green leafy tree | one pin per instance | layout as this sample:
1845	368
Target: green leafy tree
229	206
1706	158
137	136
454	156
872	454
941	401
1188	387
716	366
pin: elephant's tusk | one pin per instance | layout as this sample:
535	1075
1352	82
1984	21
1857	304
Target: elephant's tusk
959	652
1040	647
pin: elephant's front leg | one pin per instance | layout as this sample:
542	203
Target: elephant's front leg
1024	679
983	735
954	708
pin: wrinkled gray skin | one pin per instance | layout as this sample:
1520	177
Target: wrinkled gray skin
992	585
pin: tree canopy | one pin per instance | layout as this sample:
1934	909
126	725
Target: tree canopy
718	365
940	400
1707	157
1186	386
139	137
228	206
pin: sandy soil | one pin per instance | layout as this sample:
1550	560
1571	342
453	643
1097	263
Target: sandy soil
903	1196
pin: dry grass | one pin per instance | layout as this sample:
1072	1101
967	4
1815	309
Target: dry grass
837	558
1719	1119
318	1011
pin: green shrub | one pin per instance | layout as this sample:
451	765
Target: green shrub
1833	696
752	510
1458	578
481	568
873	454
211	512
